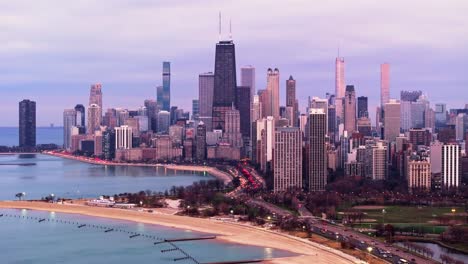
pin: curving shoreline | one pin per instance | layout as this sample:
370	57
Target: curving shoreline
308	252
223	176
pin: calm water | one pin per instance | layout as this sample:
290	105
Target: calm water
73	179
44	135
438	250
28	241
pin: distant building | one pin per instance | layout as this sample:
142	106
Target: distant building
272	109
420	137
195	109
94	118
379	162
436	157
200	142
316	150
95	95
362	107
164	119
108	144
410	96
287	161
233	128
392	120
205	98
69	121
80	115
164	94
152	110
350	109
248	79
243	105
291	100
384	84
364	126
27	124
339	90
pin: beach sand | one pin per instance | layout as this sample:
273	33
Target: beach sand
308	252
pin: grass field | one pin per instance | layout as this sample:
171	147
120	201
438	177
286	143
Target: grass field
411	214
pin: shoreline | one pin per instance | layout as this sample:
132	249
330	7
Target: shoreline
220	175
307	251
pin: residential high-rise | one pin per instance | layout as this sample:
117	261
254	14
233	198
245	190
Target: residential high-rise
273	92
436	157
384	84
362	107
200	142
379	161
364	126
123	137
205	98
339	89
460	126
27	124
420	137
108	144
225	85
350	109
392	120
265	102
256	109
165	100
69	121
316	150
80	116
440	114
233	128
94	118
451	166
287	160
248	79
243	105
319	103
419	174
291	100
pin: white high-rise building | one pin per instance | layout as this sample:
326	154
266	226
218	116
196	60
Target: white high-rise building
69	121
123	137
451	166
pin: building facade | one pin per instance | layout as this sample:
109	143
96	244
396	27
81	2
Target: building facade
287	161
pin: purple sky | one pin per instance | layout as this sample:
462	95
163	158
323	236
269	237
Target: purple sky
52	50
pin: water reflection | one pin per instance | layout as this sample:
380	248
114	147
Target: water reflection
26	156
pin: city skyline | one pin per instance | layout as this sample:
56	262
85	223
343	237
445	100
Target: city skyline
127	61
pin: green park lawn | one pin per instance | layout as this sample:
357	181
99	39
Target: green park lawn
411	214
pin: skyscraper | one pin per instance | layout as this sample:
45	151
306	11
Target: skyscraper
80	116
362	108
200	142
95	97
164	121
243	105
152	111
166	88
317	162
248	79
273	91
339	88
451	165
27	124
205	98
319	103
379	161
195	109
392	120
94	118
384	84
350	109
224	94
69	121
233	128
410	96
291	100
287	160
265	102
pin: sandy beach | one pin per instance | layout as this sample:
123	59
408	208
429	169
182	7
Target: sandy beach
308	252
225	177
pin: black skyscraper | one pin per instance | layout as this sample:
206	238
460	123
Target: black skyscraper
80	110
224	94
27	124
362	108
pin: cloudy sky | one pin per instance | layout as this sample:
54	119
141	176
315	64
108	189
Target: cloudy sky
52	50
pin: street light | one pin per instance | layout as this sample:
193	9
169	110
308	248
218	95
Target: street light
383	216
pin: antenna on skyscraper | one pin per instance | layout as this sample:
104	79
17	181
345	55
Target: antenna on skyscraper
230	30
219	36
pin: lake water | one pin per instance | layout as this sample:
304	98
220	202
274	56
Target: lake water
25	240
439	250
45	175
44	135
